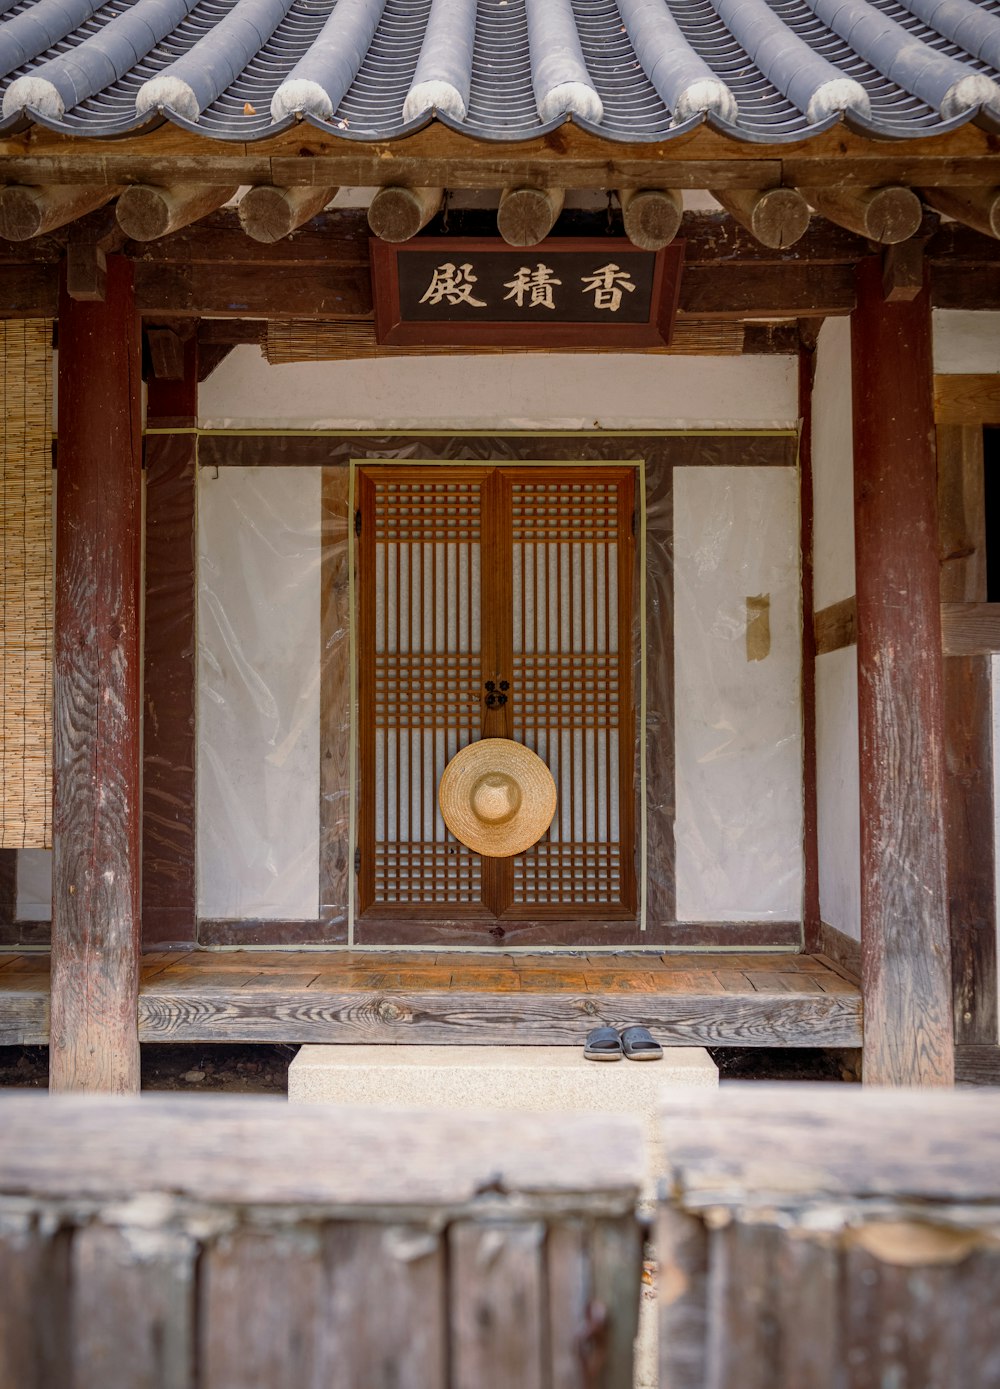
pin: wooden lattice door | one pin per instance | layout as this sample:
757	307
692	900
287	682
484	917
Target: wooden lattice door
495	602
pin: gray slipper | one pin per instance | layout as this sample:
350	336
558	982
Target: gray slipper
638	1045
603	1044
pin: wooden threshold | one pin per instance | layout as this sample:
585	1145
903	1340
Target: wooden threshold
744	1000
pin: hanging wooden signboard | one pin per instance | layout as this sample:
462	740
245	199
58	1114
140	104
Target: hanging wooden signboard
565	292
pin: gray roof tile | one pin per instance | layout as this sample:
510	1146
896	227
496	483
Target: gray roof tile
635	70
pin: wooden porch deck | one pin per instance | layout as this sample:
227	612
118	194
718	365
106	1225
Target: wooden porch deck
746	1000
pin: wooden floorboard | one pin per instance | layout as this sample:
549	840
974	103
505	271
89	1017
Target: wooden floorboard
765	1000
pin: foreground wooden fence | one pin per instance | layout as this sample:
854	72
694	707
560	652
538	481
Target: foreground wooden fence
233	1244
808	1238
831	1238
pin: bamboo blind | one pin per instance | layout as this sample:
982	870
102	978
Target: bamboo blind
26	601
326	340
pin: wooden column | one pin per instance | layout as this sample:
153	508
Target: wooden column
169	674
906	972
95	905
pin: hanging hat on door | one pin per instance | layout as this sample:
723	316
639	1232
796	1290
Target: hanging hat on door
497	797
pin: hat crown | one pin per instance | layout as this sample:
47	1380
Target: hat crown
496	798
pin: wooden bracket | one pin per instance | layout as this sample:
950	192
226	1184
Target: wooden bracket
902	271
87	248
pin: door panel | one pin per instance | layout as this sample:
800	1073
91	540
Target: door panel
513	575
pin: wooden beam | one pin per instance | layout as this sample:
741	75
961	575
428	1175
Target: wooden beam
903	271
211	356
26	212
970	629
967	399
169	669
29	291
268	214
338	237
652	216
978	208
767	291
886	215
906	973
811	918
146	213
96	805
527	215
166	351
777	217
240	291
836	626
396	213
966	618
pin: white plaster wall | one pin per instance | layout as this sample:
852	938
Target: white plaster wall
833	466
258	692
966	341
502	392
738	722
838	788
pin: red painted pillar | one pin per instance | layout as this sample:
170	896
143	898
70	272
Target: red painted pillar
905	951
95	906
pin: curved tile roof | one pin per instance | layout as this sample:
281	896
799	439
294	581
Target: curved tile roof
630	70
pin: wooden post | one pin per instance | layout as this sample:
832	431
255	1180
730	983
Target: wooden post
906	972
95	903
169	665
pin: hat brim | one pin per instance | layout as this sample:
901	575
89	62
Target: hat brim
535	782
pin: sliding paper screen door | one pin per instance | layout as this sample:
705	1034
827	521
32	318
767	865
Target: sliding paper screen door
495	602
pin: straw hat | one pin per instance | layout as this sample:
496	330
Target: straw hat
497	797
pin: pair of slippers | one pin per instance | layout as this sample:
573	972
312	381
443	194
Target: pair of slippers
607	1044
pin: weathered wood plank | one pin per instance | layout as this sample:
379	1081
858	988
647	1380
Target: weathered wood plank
806	1289
742	1341
977	1065
550	1019
34	1320
682	1248
311	1155
24	1015
906	971
836	626
398	1268
261	1309
840	950
757	1145
497	1281
132	1308
96	713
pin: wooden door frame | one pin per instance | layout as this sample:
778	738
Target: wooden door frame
662	451
963	405
394	924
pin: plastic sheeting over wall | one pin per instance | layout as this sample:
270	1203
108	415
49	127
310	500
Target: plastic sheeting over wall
259	571
723	769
